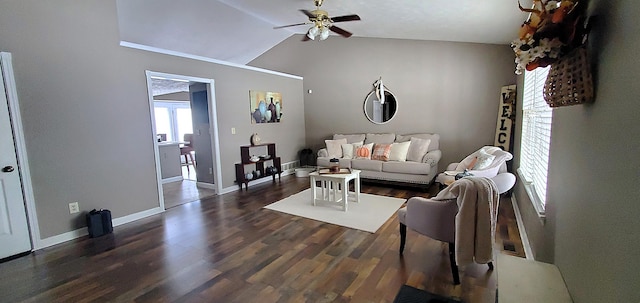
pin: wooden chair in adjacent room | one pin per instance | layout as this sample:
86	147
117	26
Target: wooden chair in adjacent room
187	149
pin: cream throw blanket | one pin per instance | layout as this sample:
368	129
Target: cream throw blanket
477	199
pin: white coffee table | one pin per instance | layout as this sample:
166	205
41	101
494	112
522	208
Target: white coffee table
335	187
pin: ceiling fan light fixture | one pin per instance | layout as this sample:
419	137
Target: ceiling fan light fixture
313	32
324	33
322	23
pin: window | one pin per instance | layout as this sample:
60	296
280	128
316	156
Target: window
536	137
173	119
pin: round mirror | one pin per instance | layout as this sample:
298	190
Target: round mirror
380	113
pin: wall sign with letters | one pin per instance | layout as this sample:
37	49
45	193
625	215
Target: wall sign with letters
506	118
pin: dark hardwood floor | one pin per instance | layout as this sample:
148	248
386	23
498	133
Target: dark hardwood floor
185	191
228	249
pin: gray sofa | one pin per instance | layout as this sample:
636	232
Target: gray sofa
420	172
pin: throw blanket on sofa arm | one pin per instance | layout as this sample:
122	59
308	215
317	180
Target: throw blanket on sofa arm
477	200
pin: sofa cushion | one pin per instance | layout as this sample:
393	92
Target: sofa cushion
350	138
435	139
417	149
399	151
372	165
334	147
348	150
380	138
413	168
363	152
381	152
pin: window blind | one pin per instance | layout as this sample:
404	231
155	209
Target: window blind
536	136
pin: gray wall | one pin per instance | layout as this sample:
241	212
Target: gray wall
442	87
592	229
85	109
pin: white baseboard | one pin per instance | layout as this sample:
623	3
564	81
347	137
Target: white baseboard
57	239
74	234
233	188
172	179
136	216
237	188
229	189
523	233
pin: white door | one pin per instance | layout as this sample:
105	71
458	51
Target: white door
14	231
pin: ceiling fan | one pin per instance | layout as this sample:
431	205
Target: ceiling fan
322	23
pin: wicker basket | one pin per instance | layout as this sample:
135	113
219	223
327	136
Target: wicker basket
569	81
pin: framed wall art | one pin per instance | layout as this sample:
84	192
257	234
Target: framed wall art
266	107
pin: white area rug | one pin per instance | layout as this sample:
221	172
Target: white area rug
368	215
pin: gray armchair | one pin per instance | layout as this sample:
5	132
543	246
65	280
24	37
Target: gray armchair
437	219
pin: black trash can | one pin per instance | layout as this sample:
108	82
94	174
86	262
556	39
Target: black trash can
306	157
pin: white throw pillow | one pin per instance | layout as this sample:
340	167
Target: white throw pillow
399	151
349	149
334	147
484	160
417	149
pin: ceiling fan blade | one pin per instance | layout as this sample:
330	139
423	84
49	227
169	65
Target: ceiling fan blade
283	26
308	13
345	18
340	31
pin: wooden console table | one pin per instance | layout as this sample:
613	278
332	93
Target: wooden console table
258	165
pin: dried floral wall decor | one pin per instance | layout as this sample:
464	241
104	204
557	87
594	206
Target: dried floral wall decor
555	34
553	29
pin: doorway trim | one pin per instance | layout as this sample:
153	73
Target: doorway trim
21	149
215	146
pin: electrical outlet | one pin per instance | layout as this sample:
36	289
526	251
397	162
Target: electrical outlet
210	170
74	208
233	130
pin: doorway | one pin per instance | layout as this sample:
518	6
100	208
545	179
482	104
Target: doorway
174	123
183	117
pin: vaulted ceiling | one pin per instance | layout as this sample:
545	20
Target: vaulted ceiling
238	31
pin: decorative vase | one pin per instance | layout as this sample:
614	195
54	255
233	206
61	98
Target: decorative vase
255	139
268	115
278	111
263	109
272	108
257	116
249	176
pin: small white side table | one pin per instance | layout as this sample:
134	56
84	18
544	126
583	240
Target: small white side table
335	187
